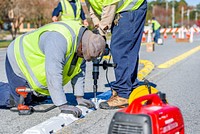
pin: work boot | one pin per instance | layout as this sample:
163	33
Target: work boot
114	102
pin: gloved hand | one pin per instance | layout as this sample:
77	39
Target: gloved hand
83	102
69	109
97	31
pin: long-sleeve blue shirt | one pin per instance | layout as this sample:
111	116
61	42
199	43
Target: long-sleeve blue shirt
58	9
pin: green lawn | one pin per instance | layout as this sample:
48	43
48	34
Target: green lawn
4	44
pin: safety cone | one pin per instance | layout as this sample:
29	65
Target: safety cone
173	35
188	35
165	35
144	37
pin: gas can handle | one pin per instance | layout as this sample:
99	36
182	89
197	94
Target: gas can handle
136	105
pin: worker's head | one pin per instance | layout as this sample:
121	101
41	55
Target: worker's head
153	18
93	45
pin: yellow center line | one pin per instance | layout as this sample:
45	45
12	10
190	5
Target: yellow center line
179	58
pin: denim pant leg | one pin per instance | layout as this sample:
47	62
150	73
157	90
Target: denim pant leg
157	35
14	81
4	94
125	45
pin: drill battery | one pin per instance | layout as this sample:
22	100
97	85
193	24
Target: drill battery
153	117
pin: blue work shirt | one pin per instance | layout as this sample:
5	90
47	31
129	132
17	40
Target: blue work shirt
58	9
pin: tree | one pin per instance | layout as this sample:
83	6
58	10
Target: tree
41	13
15	12
198	7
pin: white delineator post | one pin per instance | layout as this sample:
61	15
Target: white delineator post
191	34
149	38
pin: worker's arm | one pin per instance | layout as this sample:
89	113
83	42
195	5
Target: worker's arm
82	14
85	22
107	17
94	17
56	12
53	45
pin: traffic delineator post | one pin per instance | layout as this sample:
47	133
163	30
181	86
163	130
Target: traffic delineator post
188	35
144	37
174	35
191	35
182	36
149	38
165	35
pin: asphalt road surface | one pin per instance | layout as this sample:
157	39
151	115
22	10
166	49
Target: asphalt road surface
180	82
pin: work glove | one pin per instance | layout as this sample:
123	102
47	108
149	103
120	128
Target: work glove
86	103
97	31
69	109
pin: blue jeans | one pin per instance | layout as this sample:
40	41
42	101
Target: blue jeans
125	46
157	35
7	90
4	94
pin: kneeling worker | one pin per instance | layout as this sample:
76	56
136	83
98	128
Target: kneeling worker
48	58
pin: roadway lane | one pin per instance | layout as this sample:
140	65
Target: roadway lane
180	82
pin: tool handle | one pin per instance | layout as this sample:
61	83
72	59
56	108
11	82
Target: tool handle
136	105
21	99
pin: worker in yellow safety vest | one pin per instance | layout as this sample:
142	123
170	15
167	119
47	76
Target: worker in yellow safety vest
48	58
125	19
156	29
69	10
72	10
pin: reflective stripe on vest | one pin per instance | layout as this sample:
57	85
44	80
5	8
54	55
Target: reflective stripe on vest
68	12
123	5
21	49
129	5
32	79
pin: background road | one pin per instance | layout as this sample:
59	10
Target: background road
180	82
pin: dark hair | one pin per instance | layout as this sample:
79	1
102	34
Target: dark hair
153	18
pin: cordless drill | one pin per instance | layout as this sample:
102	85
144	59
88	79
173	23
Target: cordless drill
95	72
23	109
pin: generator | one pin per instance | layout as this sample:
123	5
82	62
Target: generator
148	114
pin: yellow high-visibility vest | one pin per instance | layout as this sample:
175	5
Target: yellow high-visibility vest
123	5
68	12
31	60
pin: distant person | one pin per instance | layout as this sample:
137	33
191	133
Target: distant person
69	9
156	29
47	59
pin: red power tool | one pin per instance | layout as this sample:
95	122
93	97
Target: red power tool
23	109
153	117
